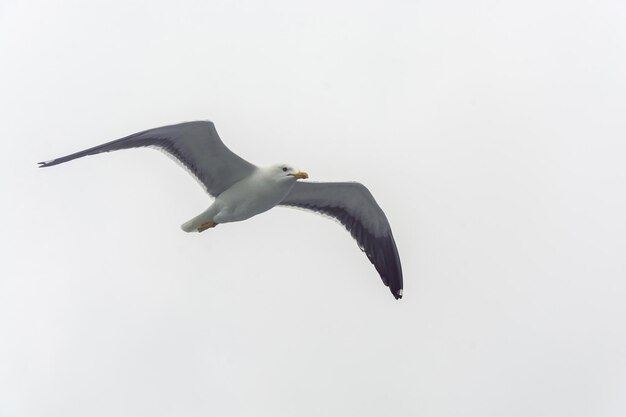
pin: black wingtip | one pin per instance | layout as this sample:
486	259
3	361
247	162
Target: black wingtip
398	294
45	164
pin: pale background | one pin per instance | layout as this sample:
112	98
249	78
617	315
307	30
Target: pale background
491	132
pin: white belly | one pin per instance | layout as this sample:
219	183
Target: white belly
249	197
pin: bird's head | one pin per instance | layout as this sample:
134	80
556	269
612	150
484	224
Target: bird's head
287	172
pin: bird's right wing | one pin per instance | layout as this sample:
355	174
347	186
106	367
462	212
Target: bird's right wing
196	145
354	207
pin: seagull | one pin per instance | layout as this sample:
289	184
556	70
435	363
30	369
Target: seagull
242	190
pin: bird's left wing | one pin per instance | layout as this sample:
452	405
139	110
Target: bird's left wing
196	145
353	205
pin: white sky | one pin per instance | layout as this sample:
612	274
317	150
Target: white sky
491	132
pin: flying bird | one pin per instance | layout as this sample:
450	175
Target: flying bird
242	190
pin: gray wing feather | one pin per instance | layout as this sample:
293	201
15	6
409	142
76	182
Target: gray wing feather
196	145
353	205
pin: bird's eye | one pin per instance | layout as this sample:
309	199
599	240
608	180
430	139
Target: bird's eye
284	169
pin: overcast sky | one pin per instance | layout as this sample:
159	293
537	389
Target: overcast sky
492	133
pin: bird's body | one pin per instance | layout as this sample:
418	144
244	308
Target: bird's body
253	195
243	190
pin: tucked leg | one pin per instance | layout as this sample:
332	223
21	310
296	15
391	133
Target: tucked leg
207	225
202	221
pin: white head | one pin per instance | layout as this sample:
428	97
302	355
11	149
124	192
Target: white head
285	172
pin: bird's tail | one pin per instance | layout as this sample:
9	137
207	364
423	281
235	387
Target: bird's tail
190	226
200	221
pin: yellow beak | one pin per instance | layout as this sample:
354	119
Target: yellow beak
300	175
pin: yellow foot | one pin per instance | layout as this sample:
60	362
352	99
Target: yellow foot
206	225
